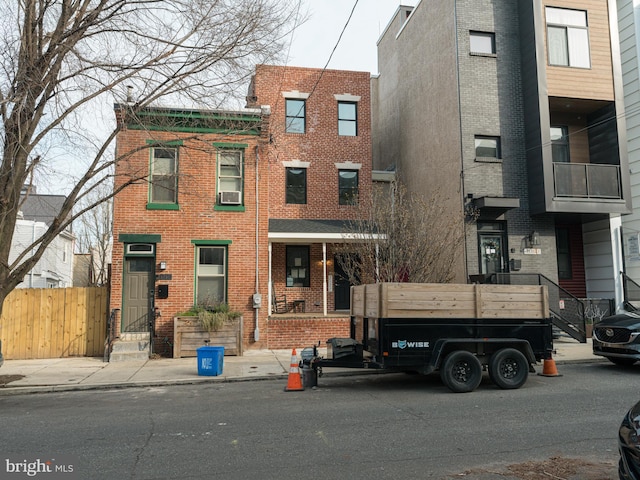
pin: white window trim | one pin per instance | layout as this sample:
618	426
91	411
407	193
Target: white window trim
348	166
296	164
220	177
295	94
347	97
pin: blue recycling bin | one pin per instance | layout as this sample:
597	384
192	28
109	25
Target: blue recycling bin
210	360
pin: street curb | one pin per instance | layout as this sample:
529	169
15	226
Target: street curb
9	391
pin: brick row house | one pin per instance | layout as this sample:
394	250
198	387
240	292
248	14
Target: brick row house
229	204
516	111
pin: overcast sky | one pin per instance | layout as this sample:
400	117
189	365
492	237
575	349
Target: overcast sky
314	40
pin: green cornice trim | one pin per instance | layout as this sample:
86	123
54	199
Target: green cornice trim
195	121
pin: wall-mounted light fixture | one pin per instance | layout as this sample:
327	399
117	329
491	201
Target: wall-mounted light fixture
534	239
530	241
163	265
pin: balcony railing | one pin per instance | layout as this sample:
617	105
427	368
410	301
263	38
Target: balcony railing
587	180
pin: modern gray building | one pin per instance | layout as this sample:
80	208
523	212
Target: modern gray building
513	111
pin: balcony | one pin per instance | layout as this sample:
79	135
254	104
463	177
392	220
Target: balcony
587	180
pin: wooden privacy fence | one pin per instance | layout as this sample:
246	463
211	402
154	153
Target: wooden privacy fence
54	323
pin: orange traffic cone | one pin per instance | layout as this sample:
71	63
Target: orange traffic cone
549	368
294	383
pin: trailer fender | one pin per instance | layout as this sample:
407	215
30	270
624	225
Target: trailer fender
482	347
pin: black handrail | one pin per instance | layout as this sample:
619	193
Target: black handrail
567	310
631	292
111	334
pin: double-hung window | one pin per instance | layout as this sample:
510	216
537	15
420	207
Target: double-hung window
347	119
211	275
295	121
567	37
230	176
296	187
163	181
348	187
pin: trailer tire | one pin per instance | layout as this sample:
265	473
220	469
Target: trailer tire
461	371
508	368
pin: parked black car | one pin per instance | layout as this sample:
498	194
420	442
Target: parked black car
618	338
629	445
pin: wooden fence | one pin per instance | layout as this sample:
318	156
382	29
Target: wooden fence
54	323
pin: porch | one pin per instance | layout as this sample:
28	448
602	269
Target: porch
309	293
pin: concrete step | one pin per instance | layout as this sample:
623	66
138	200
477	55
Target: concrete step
124	350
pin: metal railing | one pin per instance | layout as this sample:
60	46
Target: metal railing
111	334
631	292
587	180
567	311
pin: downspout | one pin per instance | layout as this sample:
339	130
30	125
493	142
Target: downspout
462	193
256	304
33	239
324	278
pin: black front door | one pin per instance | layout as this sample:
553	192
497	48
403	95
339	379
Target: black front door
342	292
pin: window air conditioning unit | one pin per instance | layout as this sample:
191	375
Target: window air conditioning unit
230	198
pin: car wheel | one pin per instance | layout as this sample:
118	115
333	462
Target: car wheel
508	368
622	362
461	371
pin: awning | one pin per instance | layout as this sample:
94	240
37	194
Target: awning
312	230
495	206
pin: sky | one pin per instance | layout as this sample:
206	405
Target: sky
314	41
311	45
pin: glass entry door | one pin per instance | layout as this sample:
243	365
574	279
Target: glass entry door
492	248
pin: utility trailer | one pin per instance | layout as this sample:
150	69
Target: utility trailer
459	330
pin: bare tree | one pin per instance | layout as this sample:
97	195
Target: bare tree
402	237
93	235
64	61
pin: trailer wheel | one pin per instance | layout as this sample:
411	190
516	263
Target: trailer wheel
461	371
508	368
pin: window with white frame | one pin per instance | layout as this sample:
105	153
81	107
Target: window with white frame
483	43
211	278
230	176
567	37
163	187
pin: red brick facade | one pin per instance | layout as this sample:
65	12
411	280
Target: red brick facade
197	220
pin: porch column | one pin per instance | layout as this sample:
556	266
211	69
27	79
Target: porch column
324	277
269	290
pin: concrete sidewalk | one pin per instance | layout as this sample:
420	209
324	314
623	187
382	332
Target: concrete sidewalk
65	374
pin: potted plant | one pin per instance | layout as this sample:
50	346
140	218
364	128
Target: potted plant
216	324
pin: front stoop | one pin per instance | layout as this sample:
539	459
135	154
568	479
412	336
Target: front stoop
130	346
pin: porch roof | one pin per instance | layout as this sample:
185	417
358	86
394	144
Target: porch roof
305	230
